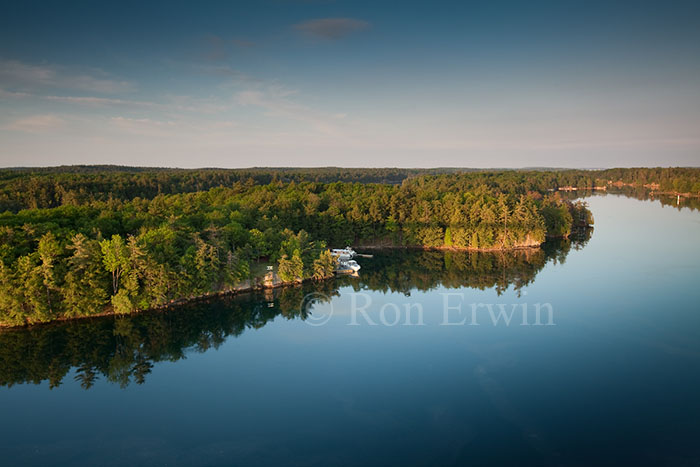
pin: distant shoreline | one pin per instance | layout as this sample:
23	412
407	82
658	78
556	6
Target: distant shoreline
452	248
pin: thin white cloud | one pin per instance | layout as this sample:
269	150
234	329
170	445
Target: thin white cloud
275	100
172	129
331	28
4	94
92	100
18	75
36	123
143	126
170	103
230	116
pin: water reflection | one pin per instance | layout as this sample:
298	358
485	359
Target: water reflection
403	271
124	349
642	194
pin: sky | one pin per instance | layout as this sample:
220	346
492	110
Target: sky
350	83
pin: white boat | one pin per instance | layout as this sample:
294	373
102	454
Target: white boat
348	265
344	254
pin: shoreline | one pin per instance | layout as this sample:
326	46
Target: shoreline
653	190
258	284
453	248
238	290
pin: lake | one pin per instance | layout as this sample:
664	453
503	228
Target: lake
584	352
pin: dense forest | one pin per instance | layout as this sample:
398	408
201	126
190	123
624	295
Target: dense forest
73	260
57	186
25	188
78	242
124	349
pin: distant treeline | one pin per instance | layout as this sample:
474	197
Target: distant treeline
28	188
76	185
123	350
75	259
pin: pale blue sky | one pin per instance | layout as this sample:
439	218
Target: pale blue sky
350	83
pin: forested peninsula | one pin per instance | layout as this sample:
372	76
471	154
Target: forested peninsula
84	241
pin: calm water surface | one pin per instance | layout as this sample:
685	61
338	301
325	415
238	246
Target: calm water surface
256	381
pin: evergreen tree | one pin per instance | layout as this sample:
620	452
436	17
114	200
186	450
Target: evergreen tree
325	265
291	270
115	257
85	288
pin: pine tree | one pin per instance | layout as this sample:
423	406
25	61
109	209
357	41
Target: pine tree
448	237
115	257
325	265
11	310
84	291
48	250
291	270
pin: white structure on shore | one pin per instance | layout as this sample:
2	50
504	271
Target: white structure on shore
344	254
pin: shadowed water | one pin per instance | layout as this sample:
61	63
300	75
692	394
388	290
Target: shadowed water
272	379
